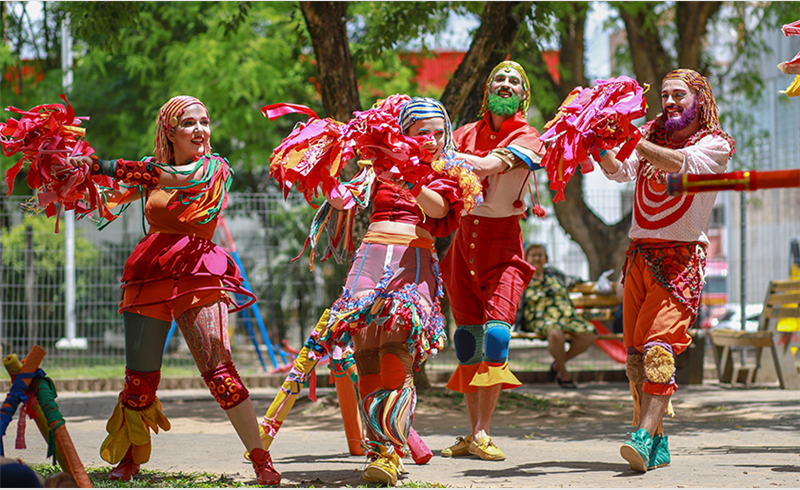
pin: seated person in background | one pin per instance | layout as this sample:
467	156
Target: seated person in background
549	312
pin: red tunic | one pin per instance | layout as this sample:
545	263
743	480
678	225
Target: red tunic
176	266
479	138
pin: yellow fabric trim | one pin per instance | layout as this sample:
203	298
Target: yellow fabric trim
468	378
128	428
494	374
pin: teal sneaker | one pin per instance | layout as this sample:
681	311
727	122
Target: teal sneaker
637	450
659	456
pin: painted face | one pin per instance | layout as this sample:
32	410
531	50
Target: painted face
433	130
506	83
679	104
537	257
191	136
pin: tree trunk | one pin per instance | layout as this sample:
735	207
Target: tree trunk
326	24
604	245
650	61
692	21
490	45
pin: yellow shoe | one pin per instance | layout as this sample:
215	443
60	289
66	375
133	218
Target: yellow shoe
486	449
381	470
460	448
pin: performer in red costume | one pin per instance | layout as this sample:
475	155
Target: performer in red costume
666	259
484	270
176	271
390	304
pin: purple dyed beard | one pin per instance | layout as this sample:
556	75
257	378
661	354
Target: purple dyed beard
687	117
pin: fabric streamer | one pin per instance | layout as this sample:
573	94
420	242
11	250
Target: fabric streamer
312	157
590	120
13	366
792	67
46	136
31	381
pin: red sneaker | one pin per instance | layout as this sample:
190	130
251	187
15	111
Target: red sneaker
265	472
126	469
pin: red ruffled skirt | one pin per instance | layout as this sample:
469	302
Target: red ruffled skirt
166	274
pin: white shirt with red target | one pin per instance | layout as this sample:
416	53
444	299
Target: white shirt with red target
682	218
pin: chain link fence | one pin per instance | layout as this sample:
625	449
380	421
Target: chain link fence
268	232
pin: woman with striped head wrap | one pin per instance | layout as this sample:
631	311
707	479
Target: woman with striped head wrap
390	305
177	273
666	259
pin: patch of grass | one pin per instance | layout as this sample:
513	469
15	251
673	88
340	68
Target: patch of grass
420	484
149	479
449	395
509	399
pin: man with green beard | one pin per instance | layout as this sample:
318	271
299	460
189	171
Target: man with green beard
484	270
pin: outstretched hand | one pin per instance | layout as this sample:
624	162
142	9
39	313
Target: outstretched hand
79	161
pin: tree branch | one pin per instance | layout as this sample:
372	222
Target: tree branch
326	23
490	45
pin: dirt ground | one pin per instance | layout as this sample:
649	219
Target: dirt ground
722	436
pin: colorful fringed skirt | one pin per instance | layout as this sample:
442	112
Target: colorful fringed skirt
394	282
167	274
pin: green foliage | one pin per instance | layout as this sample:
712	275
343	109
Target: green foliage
47	275
48	252
235	57
391	25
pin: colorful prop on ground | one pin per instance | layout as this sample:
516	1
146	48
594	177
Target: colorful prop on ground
45	136
741	180
792	67
302	371
31	383
590	120
343	370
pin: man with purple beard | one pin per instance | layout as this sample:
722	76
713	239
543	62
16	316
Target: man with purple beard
665	263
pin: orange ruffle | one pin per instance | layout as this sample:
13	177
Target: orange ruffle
468	378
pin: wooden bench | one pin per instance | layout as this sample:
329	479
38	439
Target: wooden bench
781	301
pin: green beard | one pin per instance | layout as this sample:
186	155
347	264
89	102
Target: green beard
504	107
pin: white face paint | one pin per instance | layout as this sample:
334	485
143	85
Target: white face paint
433	127
191	136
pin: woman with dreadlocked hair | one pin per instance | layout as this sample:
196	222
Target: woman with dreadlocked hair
176	271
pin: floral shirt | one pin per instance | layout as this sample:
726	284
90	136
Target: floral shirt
546	306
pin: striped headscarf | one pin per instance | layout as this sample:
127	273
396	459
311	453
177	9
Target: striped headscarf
706	106
168	117
526	87
425	108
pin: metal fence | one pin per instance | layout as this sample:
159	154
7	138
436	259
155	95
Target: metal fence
268	232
